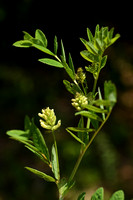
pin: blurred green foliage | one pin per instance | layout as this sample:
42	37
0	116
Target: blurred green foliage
26	87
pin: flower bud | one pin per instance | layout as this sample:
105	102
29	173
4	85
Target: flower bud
48	120
80	101
80	76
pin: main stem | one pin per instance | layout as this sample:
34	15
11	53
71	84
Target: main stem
87	146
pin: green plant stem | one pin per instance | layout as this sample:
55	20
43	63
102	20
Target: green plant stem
87	146
96	79
95	84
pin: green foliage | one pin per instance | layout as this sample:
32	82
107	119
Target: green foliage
92	109
99	195
41	174
55	163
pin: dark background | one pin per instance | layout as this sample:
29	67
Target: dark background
26	86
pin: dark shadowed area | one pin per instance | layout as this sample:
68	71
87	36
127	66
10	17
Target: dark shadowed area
26	86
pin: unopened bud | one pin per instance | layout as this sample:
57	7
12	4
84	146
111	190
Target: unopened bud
80	76
48	120
80	101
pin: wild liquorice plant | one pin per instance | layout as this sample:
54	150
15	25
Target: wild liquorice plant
91	106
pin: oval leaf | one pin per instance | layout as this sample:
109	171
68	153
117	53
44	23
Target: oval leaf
95	109
23	43
89	115
19	135
43	49
41	174
51	62
89	56
41	36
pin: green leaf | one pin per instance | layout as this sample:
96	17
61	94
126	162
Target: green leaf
19	135
111	33
63	51
55	163
110	92
68	69
95	109
101	106
68	86
39	141
98	195
37	153
89	34
117	36
82	196
119	195
103	62
102	102
41	36
89	46
97	30
65	186
55	45
41	174
89	56
43	49
27	123
51	62
71	65
98	45
27	36
75	137
89	115
77	129
23	43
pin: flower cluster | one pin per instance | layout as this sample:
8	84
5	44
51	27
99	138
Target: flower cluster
80	76
48	120
80	101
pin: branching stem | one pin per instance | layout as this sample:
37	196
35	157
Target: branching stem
87	146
